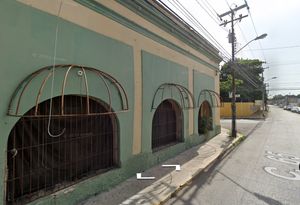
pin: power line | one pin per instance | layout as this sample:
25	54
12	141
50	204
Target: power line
276	48
227	4
198	25
208	12
249	77
281	64
213	15
243	35
290	88
256	32
285	83
201	27
245	39
210	6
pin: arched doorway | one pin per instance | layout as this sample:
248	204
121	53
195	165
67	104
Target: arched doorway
40	162
167	124
205	120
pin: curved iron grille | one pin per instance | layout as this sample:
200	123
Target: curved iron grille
186	97
39	164
213	97
167	124
44	74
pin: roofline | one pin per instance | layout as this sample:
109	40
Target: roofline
96	6
171	23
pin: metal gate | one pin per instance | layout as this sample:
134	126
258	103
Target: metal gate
167	124
43	156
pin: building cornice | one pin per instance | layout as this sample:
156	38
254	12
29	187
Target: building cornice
171	23
101	9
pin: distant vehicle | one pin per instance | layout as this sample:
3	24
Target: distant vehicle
281	105
295	109
285	107
289	107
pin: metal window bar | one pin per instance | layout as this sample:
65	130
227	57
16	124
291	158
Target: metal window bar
39	165
166	125
214	98
17	97
186	97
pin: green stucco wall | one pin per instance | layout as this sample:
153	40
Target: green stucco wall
27	43
155	72
202	82
27	40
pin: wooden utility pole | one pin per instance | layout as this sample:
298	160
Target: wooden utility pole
232	40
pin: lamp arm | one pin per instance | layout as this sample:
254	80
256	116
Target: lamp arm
244	46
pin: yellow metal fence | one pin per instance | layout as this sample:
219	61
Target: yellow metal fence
243	109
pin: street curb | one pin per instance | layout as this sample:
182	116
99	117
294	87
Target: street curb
223	153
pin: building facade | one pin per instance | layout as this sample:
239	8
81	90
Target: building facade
94	91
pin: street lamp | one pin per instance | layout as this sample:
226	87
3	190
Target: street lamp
233	103
263	91
270	79
262	36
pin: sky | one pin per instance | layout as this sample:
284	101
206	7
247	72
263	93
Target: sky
278	18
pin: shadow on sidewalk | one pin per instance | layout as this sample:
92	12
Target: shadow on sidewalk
208	176
131	187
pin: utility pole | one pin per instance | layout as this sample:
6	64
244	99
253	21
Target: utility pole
232	40
263	92
263	89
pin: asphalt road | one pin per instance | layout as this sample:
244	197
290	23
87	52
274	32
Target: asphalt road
261	170
243	126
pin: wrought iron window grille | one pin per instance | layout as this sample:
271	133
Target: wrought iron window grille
39	164
17	97
167	125
186	97
211	96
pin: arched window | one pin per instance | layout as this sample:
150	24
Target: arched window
205	120
41	160
167	124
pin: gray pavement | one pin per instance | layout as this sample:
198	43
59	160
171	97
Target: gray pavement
244	126
262	170
167	180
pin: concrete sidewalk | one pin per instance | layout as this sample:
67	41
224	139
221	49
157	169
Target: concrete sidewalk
167	180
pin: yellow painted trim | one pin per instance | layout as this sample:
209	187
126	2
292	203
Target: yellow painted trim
191	112
82	16
114	5
217	109
137	119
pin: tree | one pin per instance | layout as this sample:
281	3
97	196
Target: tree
248	71
278	97
226	87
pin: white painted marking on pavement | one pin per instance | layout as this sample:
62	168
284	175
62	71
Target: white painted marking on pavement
283	160
139	176
288	156
295	173
177	166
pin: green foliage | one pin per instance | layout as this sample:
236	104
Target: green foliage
205	124
226	85
253	69
279	97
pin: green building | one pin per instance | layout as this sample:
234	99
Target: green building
94	91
